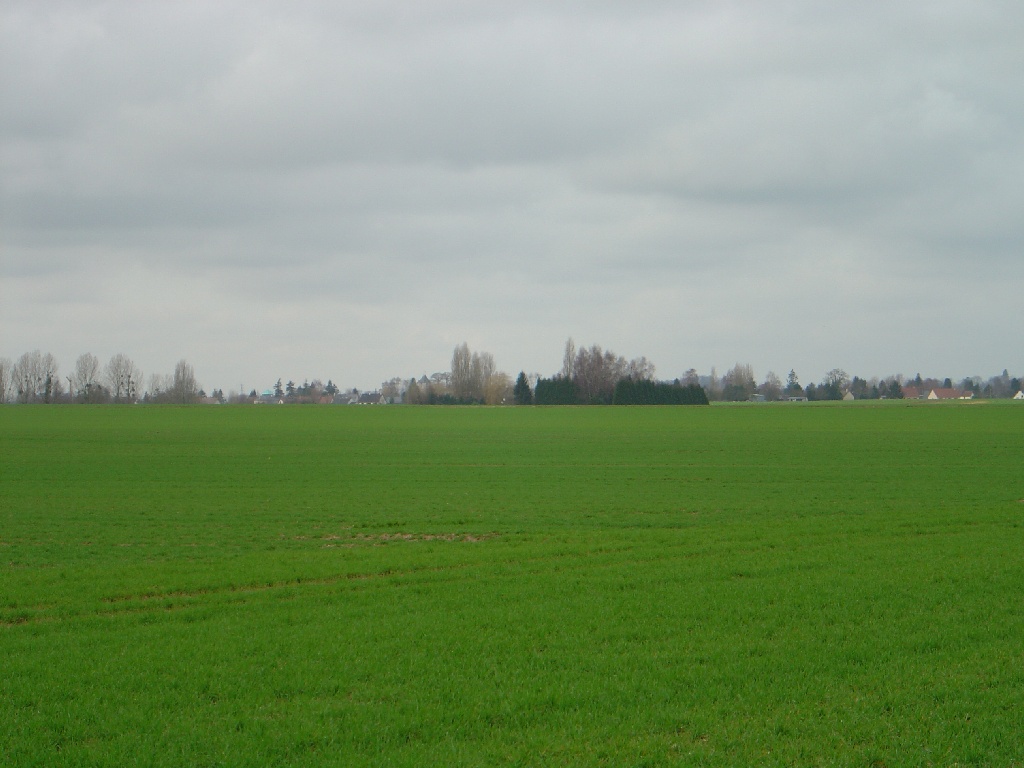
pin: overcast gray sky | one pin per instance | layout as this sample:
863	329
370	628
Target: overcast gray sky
347	190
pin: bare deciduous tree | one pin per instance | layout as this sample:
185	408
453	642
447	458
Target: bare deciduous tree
52	386
569	359
838	378
413	393
483	370
835	384
462	371
714	387
5	378
640	369
84	381
498	389
392	389
159	386
471	374
772	386
596	372
184	388
34	378
123	379
25	376
738	383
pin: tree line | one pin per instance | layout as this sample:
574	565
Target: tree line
738	384
35	378
588	376
594	376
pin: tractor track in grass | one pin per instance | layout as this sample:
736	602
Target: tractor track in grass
119	605
235	594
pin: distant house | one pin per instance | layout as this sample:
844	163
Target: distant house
371	398
1019	395
849	396
913	393
798	399
758	398
268	396
945	393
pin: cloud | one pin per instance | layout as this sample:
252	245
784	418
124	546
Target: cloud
273	189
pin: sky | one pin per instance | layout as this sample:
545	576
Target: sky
348	190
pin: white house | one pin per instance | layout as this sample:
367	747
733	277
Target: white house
1019	395
944	393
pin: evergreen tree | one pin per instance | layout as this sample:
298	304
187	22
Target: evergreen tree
521	393
793	388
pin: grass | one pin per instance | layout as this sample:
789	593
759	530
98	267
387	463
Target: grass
793	585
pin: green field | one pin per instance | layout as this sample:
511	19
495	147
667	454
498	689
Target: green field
723	586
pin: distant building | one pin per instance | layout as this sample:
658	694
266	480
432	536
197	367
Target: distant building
1019	395
267	396
945	393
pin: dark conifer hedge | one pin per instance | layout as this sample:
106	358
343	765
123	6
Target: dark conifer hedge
645	392
556	391
562	391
